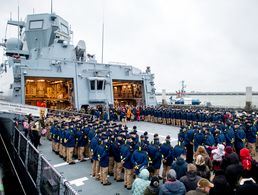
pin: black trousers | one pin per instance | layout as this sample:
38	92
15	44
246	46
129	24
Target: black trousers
189	153
35	138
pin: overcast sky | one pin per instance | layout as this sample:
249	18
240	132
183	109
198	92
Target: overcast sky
211	44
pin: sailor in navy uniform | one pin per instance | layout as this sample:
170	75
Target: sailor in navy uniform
189	139
62	144
178	151
86	129
230	136
69	141
53	133
103	154
167	155
91	134
119	141
181	136
155	155
251	132
219	137
135	136
95	141
126	152
82	141
139	158
198	138
240	138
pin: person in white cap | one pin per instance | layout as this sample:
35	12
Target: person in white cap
218	153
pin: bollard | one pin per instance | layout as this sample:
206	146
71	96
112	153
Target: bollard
164	101
248	103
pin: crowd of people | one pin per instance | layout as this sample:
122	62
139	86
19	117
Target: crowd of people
215	152
176	115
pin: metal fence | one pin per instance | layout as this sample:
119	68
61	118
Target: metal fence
33	162
44	176
23	147
68	189
50	180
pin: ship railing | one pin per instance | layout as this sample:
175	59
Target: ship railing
69	190
51	110
45	178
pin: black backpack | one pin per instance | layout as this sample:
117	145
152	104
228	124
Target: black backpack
254	169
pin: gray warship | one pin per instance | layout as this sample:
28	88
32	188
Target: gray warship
42	68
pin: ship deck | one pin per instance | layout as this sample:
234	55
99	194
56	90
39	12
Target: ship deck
79	174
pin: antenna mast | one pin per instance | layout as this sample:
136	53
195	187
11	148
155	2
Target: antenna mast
18	25
103	26
51	6
102	43
183	86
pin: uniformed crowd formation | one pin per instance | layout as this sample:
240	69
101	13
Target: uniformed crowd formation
204	139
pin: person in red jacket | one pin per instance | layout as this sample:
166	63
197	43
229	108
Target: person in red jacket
138	114
246	159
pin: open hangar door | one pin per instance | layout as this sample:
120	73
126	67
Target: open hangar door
54	93
128	93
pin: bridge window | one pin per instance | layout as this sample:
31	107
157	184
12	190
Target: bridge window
36	24
99	85
64	29
92	84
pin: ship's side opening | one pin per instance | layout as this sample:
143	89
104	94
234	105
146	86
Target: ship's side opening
54	93
128	93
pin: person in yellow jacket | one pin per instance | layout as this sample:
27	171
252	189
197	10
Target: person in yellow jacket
128	114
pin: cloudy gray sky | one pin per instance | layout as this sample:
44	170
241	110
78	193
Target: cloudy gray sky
211	44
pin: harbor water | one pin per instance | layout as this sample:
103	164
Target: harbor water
234	101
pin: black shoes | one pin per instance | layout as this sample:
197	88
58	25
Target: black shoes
127	187
106	184
120	180
71	163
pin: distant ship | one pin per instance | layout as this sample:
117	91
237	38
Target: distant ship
182	99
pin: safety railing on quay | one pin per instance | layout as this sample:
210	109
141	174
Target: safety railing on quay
44	176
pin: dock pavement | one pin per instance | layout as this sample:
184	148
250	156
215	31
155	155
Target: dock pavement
79	174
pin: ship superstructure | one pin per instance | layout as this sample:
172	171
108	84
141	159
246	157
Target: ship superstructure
45	69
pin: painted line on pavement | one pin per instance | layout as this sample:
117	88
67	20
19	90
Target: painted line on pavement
78	182
65	163
60	164
163	136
